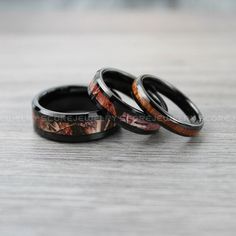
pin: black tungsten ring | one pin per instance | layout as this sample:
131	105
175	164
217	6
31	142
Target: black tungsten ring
101	92
162	116
67	114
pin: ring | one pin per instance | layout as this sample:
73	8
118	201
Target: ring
67	114
101	92
141	90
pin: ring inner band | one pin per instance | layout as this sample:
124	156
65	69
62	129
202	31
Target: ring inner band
68	100
174	95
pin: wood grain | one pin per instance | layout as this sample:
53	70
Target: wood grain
127	184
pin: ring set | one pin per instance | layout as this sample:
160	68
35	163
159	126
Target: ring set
78	113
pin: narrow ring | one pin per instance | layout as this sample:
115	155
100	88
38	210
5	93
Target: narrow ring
101	92
146	102
66	114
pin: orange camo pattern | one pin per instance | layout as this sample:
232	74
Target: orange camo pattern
68	129
102	99
125	117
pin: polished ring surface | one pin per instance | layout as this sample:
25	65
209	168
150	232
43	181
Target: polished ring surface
146	83
101	92
67	114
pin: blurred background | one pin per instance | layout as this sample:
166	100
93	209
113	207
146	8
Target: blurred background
171	38
205	5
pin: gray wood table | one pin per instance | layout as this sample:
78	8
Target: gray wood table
126	184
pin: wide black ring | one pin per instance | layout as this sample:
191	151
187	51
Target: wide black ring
146	83
67	114
101	91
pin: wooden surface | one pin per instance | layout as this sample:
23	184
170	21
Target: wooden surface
127	184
